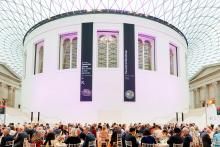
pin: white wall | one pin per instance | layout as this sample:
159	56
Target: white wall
56	93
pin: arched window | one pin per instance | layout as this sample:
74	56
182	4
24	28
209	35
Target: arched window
112	49
147	55
140	54
74	52
107	49
146	52
41	54
66	54
68	51
102	51
173	60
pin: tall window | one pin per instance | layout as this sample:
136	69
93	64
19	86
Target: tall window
39	54
107	49
173	60
146	52
68	51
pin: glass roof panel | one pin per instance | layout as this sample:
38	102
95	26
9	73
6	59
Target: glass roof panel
199	20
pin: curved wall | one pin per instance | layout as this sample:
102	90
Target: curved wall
56	93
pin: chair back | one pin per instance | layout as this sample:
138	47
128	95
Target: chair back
74	145
103	143
92	143
128	143
9	143
216	143
148	145
177	145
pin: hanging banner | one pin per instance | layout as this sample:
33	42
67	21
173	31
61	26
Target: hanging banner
86	62
2	106
129	63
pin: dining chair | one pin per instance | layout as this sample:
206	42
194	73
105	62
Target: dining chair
92	143
74	145
148	145
177	145
128	143
9	143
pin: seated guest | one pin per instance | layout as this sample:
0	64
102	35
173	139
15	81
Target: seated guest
103	135
73	138
89	137
147	138
21	135
187	140
116	130
164	136
36	139
131	137
206	138
176	138
49	137
6	137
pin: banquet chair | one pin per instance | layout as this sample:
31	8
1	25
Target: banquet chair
128	143
92	143
119	140
217	143
25	143
114	144
74	145
177	145
148	145
9	143
103	143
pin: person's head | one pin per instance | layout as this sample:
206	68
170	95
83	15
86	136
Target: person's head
208	130
146	132
177	130
132	130
185	131
74	132
86	129
104	128
21	129
165	132
6	131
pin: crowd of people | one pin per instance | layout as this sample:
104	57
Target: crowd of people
106	135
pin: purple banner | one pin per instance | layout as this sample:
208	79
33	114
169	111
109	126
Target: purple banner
129	63
86	62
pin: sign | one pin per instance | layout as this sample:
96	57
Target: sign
129	63
86	62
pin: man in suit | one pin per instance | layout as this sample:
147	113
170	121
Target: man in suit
89	137
6	137
131	137
19	139
176	138
187	141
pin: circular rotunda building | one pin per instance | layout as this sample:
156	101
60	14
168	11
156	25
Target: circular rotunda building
105	66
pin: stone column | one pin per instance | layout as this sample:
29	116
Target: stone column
9	98
205	95
198	97
13	97
1	90
216	90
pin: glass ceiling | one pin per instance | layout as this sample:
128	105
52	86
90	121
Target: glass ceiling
199	20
